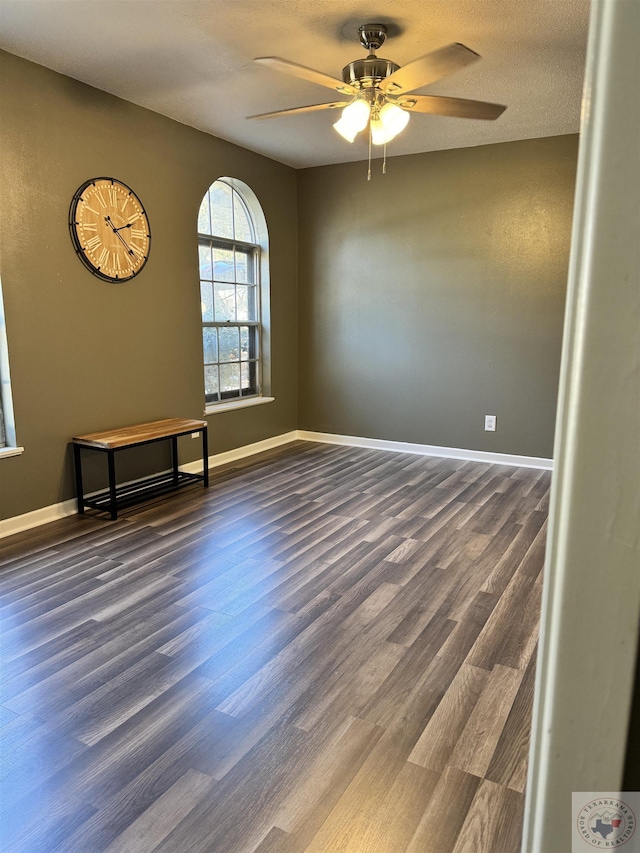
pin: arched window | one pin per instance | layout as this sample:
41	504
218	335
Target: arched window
231	242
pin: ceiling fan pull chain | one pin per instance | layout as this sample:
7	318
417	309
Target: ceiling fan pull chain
384	160
369	172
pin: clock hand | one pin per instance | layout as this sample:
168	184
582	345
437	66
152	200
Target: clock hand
124	243
119	236
110	221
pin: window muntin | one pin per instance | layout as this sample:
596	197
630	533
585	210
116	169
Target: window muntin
229	258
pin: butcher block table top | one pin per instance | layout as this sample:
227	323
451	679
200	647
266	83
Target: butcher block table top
111	439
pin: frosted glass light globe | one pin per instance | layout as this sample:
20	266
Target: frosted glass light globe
394	118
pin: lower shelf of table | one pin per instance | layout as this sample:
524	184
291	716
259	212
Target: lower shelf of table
142	490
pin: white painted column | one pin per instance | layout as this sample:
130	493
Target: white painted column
591	601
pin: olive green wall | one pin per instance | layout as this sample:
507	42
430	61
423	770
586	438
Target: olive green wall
85	354
428	297
434	295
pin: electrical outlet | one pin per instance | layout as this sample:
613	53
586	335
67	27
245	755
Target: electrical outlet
490	423
195	435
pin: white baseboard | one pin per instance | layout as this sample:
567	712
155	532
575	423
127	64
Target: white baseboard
429	450
18	523
241	452
61	510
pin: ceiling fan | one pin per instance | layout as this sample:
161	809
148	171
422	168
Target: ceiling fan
377	92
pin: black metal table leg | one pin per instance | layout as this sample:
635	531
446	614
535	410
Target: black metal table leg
113	502
205	457
79	487
174	458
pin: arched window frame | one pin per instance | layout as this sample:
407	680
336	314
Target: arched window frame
254	360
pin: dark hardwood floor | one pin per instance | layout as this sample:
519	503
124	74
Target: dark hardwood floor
330	651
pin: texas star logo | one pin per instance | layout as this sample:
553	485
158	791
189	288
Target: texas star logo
606	823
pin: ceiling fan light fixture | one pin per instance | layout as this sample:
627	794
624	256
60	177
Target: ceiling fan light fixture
357	114
390	121
394	118
345	130
354	118
381	90
379	133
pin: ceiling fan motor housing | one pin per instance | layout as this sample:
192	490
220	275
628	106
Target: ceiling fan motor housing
367	73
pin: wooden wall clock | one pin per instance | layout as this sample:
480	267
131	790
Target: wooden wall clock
109	229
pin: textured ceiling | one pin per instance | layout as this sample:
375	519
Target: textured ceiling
191	60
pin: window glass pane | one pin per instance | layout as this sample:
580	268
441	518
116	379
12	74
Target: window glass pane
252	295
244	377
204	222
211	382
244	301
248	377
230	379
253	342
222	264
210	345
229	340
244	343
221	210
204	253
243	225
244	266
206	301
225	302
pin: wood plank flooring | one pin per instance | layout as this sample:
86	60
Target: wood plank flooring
330	651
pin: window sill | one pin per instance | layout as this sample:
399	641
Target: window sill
10	451
232	405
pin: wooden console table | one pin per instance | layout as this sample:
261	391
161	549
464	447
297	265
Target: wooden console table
110	441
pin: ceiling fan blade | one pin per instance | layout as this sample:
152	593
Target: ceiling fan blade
428	68
305	73
312	109
456	107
